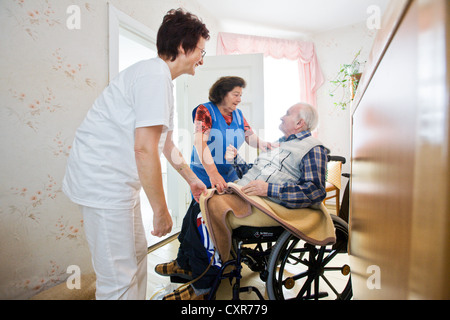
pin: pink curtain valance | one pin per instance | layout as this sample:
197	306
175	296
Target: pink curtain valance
311	77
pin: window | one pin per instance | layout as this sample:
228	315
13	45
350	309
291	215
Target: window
281	91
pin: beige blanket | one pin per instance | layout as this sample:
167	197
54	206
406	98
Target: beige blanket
312	225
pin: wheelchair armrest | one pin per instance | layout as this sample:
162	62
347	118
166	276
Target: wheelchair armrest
337	158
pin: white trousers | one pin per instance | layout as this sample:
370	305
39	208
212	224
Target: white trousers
118	246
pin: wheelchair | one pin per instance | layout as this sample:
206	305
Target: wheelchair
290	267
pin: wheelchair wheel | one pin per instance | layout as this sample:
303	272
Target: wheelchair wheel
298	270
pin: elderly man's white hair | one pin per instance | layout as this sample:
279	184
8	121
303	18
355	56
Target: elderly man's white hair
308	113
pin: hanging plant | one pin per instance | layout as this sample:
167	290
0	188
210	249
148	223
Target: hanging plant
346	82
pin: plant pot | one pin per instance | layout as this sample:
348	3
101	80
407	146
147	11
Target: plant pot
354	83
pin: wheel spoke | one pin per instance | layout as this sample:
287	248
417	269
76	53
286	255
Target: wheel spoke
297	260
298	270
306	286
338	295
299	276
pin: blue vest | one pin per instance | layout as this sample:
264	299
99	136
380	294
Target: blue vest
220	137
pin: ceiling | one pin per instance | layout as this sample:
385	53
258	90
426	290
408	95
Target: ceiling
288	18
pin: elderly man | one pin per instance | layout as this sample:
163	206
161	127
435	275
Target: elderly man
293	176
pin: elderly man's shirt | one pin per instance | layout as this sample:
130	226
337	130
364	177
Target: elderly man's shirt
304	184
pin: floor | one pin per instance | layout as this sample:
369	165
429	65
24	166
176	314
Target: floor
158	285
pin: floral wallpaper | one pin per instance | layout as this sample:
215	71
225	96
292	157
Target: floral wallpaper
334	48
47	85
54	64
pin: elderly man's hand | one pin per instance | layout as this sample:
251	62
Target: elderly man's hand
256	188
231	153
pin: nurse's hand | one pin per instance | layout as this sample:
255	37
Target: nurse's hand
197	188
218	182
265	146
162	223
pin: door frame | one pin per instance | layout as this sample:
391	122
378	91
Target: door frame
227	65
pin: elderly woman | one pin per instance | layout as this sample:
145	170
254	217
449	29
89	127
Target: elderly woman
219	125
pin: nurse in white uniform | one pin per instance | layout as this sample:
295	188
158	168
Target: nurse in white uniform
117	150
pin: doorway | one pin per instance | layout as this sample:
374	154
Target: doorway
130	42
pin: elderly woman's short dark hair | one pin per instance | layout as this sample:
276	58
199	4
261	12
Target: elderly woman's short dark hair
222	86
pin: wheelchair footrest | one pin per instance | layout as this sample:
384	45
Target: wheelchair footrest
319	296
249	290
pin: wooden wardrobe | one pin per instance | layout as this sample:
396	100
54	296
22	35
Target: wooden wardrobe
400	181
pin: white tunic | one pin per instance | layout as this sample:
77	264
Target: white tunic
101	169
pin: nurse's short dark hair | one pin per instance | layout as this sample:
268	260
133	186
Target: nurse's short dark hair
221	87
179	27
